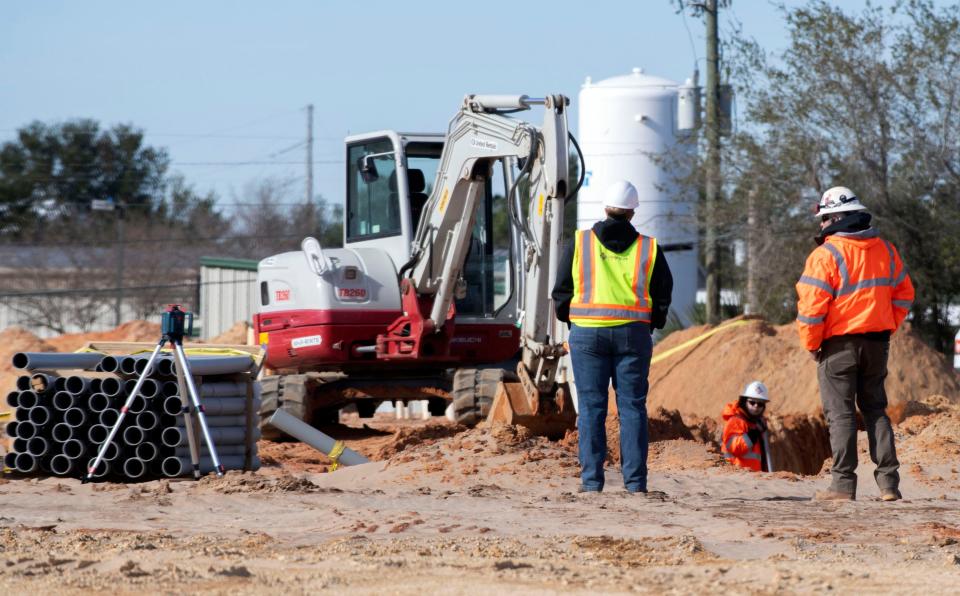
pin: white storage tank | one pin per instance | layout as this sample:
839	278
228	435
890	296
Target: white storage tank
629	131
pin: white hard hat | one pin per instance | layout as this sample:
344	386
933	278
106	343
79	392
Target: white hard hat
837	200
621	194
756	390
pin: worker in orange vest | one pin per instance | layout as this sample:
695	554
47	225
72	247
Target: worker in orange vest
744	428
853	294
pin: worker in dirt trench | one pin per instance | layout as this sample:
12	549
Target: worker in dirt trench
613	286
854	292
744	426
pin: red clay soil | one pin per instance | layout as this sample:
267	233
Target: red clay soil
234	335
699	380
13	340
378	439
130	331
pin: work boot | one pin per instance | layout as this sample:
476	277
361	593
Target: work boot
832	495
890	494
584	489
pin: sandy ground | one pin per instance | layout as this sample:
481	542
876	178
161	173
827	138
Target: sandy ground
484	511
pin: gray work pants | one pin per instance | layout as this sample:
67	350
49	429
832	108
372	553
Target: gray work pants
851	372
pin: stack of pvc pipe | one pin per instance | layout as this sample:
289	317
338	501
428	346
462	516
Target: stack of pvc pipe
61	421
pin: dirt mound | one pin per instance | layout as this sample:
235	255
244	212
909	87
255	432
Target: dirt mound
404	438
236	481
298	457
234	335
138	330
931	432
700	379
488	451
13	340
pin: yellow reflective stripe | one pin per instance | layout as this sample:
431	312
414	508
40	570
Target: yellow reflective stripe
583	260
607	285
652	259
609	313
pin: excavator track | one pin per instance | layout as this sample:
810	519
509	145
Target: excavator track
287	392
473	393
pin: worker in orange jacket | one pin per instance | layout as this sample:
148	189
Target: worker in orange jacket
853	294
744	428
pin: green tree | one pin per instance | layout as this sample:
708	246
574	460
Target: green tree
52	169
870	101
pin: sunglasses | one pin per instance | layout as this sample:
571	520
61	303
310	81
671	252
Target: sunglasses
756	404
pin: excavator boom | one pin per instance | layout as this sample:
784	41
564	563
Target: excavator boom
479	136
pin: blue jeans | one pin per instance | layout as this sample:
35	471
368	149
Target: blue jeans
599	355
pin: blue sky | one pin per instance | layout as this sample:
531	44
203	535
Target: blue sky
217	82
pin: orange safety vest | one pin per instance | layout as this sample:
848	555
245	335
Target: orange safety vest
738	449
611	288
852	285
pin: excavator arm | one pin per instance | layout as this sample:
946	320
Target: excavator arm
479	136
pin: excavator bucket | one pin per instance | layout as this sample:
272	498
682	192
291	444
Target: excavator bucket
548	416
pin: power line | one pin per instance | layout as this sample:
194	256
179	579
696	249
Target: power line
141	288
181	241
256	163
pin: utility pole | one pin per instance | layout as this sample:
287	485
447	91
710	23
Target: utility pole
712	190
750	306
309	153
118	307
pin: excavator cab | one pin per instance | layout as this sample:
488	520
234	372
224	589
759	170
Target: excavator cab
389	179
442	281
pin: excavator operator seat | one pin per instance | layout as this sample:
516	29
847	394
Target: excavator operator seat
416	185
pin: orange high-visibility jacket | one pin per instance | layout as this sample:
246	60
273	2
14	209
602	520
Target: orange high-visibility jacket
738	449
852	283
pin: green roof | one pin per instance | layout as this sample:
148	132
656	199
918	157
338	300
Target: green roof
228	263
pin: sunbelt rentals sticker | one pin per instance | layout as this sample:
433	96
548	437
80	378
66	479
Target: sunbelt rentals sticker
306	342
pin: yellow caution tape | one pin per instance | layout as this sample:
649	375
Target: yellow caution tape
696	340
205	352
335	454
217	352
89	351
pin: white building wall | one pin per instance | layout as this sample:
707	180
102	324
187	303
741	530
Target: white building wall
226	297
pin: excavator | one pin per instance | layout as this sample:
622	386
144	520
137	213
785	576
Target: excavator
427	300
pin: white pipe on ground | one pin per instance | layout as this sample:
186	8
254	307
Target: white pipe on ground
321	442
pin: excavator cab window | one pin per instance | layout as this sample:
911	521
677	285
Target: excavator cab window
371	166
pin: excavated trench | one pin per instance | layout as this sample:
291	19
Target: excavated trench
798	443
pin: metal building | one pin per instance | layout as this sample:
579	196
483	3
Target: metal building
228	294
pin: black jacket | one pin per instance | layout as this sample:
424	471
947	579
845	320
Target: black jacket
617	236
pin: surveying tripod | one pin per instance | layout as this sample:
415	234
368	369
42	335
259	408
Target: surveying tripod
174	325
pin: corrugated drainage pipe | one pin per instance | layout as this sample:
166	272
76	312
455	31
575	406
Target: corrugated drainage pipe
61	465
26	463
134	468
179	466
52	361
